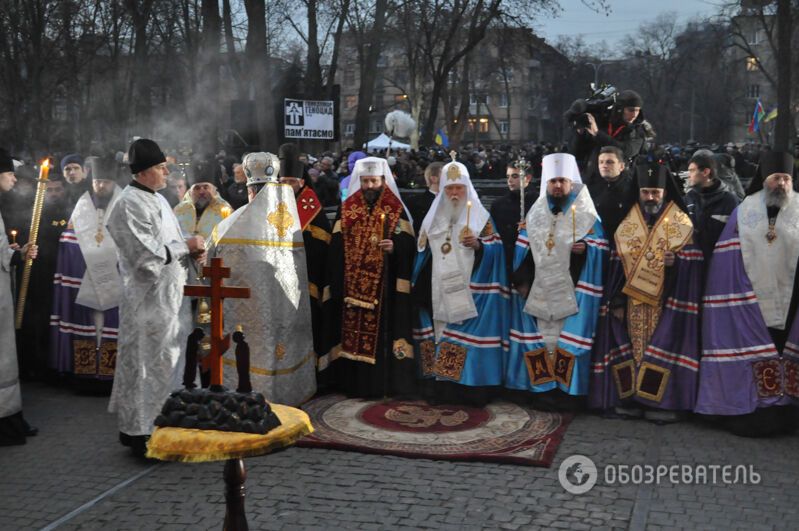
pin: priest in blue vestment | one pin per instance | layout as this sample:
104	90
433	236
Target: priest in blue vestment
560	255
461	292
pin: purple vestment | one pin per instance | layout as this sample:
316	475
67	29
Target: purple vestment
73	346
666	377
741	368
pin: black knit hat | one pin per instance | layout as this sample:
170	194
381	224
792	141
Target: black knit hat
629	98
72	158
290	163
144	153
6	161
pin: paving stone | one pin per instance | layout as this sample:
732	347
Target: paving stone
77	457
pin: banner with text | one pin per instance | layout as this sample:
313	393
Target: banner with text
312	120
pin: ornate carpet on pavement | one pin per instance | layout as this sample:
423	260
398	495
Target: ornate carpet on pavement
500	432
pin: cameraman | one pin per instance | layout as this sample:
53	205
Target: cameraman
624	128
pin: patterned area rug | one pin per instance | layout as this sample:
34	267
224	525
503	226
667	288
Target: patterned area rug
501	432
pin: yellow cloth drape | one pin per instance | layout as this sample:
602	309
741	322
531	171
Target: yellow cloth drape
198	446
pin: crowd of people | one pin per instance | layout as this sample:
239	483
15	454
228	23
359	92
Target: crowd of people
637	282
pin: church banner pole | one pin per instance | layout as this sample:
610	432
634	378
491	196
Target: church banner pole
522	166
387	342
38	204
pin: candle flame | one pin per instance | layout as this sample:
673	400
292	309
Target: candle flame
468	203
13	232
46	163
666	220
574	208
225	212
382	217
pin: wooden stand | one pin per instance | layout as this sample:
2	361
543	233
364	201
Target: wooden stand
235	475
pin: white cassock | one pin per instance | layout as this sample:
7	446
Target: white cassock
152	315
10	395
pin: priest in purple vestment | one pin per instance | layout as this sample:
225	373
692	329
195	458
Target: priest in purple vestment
750	335
87	286
646	353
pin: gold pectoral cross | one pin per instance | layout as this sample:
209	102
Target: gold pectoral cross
550	243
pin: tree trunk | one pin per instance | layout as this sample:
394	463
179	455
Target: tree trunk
230	46
258	59
140	89
208	91
374	43
330	80
783	130
313	73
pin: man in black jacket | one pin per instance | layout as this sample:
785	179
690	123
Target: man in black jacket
506	210
709	201
419	204
615	192
625	129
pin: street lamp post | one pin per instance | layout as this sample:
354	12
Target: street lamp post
596	67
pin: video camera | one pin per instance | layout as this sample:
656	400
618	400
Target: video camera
599	104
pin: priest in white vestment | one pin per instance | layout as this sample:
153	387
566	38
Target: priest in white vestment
153	258
262	244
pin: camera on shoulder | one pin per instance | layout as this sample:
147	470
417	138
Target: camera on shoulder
599	104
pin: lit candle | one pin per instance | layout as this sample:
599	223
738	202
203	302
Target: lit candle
44	170
225	211
666	223
468	212
574	225
13	236
383	225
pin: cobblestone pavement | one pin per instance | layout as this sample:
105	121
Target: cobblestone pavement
75	475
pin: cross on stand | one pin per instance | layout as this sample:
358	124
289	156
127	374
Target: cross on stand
217	293
235	473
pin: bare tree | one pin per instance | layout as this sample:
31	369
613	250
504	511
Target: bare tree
257	55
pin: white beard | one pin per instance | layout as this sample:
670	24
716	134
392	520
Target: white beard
452	211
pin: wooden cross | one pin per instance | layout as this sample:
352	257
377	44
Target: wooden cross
217	293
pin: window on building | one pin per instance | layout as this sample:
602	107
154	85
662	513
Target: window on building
400	76
756	36
60	110
506	73
482	125
474	99
350	102
753	91
349	129
504	100
751	64
504	127
400	98
377	126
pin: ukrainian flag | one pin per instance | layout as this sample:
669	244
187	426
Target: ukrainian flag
441	138
770	116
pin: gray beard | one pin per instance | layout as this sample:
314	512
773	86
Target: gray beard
777	198
651	209
201	203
